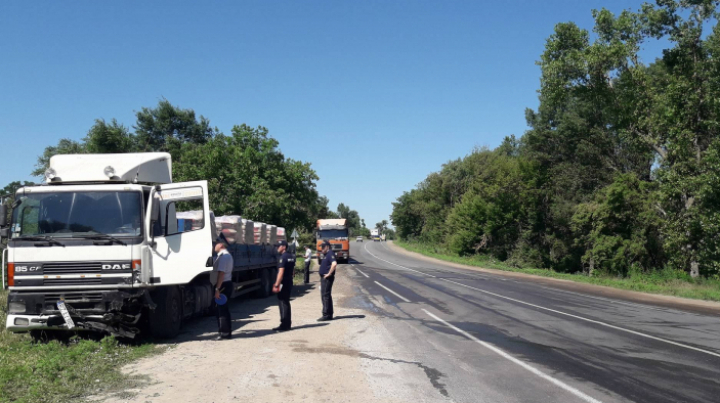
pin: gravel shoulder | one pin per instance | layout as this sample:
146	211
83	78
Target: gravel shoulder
351	359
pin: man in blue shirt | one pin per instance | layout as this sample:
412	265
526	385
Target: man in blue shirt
327	278
283	285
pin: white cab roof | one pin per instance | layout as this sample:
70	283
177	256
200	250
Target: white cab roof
129	167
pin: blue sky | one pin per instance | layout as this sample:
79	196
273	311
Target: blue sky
375	94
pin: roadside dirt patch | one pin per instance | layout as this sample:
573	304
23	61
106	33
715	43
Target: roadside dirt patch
315	362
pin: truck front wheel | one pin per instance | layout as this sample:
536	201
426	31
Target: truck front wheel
164	321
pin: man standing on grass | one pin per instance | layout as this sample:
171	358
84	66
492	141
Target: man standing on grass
327	278
283	285
308	259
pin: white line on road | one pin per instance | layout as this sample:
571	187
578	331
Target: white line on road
360	271
674	343
366	250
393	292
507	356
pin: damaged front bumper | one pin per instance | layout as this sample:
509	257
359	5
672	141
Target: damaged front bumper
114	312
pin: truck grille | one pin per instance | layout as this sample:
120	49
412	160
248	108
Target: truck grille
72	281
59	268
85	297
337	246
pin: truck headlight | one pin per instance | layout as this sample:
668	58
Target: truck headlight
16	307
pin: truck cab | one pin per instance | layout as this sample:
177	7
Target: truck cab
100	246
334	231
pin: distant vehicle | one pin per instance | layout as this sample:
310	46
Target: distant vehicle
359	239
375	234
334	231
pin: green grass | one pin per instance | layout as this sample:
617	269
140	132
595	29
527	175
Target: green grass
665	282
299	273
57	372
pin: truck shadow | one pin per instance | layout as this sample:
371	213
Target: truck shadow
242	312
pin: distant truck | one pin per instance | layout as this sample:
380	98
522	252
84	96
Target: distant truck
375	234
334	231
111	244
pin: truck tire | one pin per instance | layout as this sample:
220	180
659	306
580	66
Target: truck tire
266	282
164	321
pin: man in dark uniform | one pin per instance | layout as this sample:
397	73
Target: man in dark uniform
283	285
327	278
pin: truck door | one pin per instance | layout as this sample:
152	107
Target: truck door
179	227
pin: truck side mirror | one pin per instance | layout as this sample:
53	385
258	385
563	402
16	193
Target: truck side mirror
4	233
3	215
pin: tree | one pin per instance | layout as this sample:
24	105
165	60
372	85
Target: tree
246	172
249	176
352	216
620	168
166	126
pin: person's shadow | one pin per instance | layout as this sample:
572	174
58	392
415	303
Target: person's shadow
348	317
242	311
250	334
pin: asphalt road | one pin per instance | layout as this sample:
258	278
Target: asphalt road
489	338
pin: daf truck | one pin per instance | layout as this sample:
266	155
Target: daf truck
109	243
335	231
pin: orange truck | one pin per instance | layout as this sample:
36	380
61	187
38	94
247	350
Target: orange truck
334	231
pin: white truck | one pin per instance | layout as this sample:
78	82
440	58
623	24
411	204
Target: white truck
110	244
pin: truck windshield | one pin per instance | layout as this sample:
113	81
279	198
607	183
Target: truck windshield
333	233
68	214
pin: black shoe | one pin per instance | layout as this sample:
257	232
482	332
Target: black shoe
324	319
280	329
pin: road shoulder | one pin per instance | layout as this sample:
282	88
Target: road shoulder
314	362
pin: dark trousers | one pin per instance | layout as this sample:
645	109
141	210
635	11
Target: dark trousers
284	305
222	312
326	285
307	270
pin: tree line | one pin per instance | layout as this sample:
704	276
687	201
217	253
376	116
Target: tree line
247	173
620	169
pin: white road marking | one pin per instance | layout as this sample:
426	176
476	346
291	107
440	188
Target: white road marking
361	272
403	267
507	356
393	292
674	343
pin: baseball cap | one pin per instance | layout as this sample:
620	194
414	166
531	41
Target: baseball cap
281	243
324	244
221	239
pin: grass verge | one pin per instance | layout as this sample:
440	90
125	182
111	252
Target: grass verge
57	372
666	282
299	273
